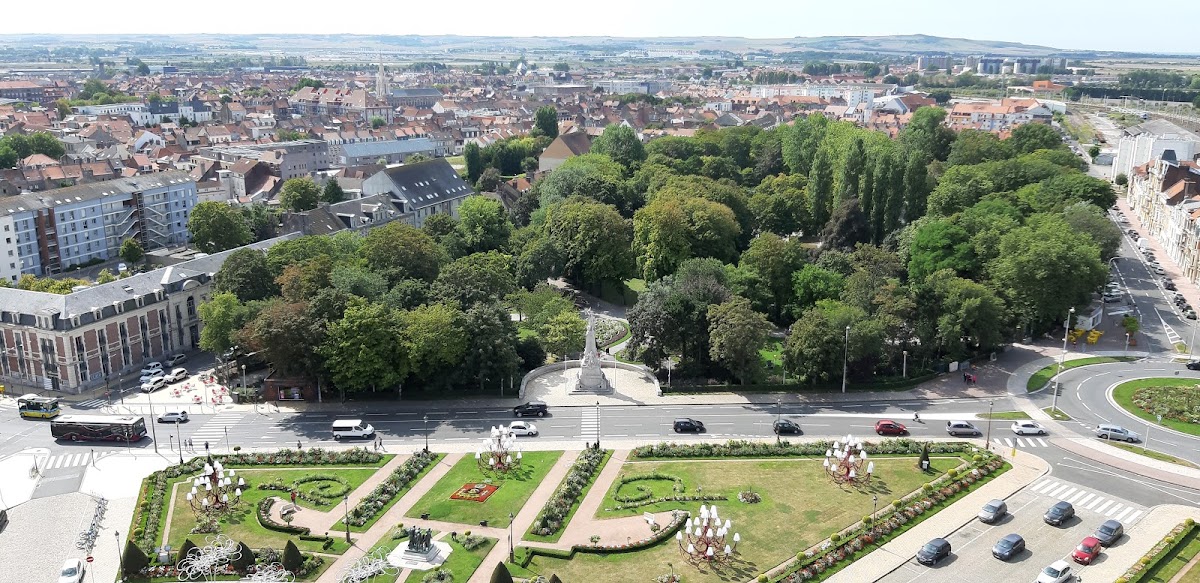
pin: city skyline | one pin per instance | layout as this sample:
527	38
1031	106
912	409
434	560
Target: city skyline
1092	24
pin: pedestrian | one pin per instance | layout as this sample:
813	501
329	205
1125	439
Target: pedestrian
293	497
298	448
206	447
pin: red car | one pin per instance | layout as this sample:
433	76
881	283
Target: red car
1087	551
889	427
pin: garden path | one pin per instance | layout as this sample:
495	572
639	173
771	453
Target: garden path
393	516
318	521
611	531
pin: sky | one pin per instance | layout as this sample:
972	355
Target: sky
1067	24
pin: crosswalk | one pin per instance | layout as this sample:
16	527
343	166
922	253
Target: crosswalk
214	429
70	460
91	404
1009	442
6	403
589	425
1084	500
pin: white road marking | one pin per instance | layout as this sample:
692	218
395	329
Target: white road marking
1077	496
1086	498
1105	505
1113	510
1095	502
1065	494
1121	516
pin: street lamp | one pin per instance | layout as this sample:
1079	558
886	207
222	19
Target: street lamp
1061	361
243	377
179	438
120	557
346	517
845	359
597	424
874	506
778	416
904	367
426	433
511	551
988	440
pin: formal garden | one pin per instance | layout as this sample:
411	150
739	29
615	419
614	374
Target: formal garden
1175	400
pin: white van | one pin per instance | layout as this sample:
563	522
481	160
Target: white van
352	428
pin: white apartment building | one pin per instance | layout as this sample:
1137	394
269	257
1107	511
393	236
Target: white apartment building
1153	140
1165	196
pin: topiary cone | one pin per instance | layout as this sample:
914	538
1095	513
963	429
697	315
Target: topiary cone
501	574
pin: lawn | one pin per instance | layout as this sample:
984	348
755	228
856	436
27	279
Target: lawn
1056	414
514	490
241	524
773	353
1004	415
1043	376
1123	394
1176	561
367	526
1157	455
583	494
461	564
800	507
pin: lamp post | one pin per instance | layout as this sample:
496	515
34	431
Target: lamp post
597	424
120	556
846	359
346	517
153	429
426	433
904	366
874	506
227	449
1126	344
1062	360
1191	343
988	440
778	417
511	551
243	377
179	438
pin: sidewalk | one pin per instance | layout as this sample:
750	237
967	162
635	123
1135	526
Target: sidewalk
1138	541
896	552
318	521
1187	287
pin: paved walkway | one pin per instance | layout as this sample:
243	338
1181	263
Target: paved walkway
896	552
318	521
1139	539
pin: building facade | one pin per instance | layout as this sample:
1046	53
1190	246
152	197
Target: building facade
287	159
420	190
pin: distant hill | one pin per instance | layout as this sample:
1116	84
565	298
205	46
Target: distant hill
915	44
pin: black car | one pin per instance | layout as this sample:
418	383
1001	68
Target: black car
1190	314
933	551
535	408
1109	532
1059	513
688	424
1194	365
786	426
1008	547
1170	285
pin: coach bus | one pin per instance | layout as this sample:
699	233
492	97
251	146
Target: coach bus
98	428
35	407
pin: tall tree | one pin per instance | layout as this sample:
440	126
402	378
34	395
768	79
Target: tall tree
491	355
400	251
483	225
476	278
216	227
435	338
846	228
563	333
926	133
852	171
365	349
916	186
621	144
131	251
299	194
594	240
332	193
775	259
736	335
1030	137
812	284
545	121
223	315
473	158
245	274
673	228
820	191
289	336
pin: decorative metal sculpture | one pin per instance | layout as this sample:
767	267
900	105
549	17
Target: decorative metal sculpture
420	541
847	462
215	489
706	540
206	561
273	573
500	452
367	567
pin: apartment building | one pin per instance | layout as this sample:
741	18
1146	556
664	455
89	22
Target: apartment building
80	341
1152	140
328	102
420	190
44	233
287	159
1165	196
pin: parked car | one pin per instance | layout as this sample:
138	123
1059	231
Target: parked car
535	408
1194	365
145	378
1170	285
1158	269
152	368
1109	532
957	428
1057	572
1087	551
175	359
786	426
688	424
889	427
993	511
1116	432
177	374
71	572
1008	547
523	428
122	268
173	417
1110	299
1061	512
1027	428
933	551
1190	314
154	384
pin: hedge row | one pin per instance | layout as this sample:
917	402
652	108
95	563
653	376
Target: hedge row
556	509
1141	569
678	517
759	449
887	385
264	518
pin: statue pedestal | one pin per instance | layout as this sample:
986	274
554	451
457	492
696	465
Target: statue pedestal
404	558
592	380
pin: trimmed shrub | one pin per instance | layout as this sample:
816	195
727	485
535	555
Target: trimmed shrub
501	575
184	549
245	559
133	559
291	557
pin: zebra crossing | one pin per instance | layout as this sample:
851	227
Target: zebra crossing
1082	499
214	429
1009	442
589	425
70	460
91	404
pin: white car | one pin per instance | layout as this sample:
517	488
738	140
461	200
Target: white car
173	417
152	368
177	375
154	384
1027	428
72	571
147	377
175	359
522	428
1057	572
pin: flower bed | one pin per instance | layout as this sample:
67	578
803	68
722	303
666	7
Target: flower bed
678	517
387	490
644	493
264	518
1160	551
320	495
1176	403
551	519
736	448
675	498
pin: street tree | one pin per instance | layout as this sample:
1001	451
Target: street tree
288	335
736	335
223	315
476	278
563	333
245	274
216	227
365	350
132	252
491	359
299	194
435	338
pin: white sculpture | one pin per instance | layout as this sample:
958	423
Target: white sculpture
591	377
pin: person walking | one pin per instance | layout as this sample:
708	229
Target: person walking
293	497
298	447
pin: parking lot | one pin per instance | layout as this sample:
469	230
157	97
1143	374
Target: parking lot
971	545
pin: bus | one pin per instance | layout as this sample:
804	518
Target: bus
98	428
35	407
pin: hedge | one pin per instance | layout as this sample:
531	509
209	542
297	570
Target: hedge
761	449
264	518
678	517
886	385
1158	553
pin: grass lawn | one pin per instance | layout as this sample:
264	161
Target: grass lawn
1056	414
1043	376
242	523
514	490
1004	415
637	285
1157	455
1176	561
566	521
462	563
366	526
457	161
794	492
1123	395
773	353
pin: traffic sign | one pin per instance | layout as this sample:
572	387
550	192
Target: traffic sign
90	559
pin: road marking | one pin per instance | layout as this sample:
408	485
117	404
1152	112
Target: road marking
1059	490
1095	502
1121	516
1077	496
1065	494
1113	509
1020	443
1086	498
1038	488
1135	515
1105	505
1043	442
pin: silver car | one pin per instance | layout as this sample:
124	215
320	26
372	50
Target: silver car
993	511
1116	432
